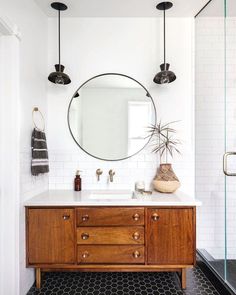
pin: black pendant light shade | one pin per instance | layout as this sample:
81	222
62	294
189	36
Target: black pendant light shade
59	77
164	76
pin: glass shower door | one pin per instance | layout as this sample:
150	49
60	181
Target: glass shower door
216	136
210	133
229	163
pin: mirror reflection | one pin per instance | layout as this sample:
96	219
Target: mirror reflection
110	116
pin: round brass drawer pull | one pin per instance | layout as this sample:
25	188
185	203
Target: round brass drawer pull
85	217
66	216
136	254
136	236
84	236
155	217
85	254
136	217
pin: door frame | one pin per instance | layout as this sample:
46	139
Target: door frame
9	157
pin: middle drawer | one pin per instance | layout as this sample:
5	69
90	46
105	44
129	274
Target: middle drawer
110	235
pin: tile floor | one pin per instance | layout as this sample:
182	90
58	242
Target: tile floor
124	284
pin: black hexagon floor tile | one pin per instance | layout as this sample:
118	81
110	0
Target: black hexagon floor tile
66	283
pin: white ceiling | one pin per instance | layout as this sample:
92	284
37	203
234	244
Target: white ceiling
122	8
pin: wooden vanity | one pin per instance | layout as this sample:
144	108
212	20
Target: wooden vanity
111	238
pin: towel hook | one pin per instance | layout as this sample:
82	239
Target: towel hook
36	109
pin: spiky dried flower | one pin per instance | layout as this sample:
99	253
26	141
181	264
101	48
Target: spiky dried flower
163	140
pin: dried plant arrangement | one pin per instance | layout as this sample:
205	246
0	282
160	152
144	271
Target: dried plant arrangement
163	140
165	143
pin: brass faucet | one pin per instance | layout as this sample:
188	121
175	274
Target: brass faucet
111	174
98	173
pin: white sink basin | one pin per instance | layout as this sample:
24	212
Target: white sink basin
109	195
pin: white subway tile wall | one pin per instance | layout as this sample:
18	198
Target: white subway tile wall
210	134
63	166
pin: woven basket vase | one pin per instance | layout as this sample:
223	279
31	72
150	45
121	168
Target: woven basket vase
166	181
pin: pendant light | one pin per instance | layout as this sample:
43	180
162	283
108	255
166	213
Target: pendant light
165	76
59	77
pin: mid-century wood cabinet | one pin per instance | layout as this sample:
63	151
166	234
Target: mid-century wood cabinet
170	236
51	237
111	239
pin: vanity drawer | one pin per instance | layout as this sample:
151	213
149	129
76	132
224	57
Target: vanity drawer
109	216
110	235
110	254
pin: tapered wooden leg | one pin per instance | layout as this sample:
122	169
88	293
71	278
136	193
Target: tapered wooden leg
183	278
38	278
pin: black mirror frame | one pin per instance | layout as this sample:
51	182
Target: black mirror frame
76	95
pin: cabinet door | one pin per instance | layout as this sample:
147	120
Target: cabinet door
51	236
171	236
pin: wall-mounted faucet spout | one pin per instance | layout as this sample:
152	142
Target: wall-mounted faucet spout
99	173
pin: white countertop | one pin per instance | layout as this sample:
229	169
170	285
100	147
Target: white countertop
83	198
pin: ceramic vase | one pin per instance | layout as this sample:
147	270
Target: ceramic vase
166	181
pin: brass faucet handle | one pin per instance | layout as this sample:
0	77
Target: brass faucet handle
111	174
98	173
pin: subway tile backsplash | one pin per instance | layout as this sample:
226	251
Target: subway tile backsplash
63	166
143	166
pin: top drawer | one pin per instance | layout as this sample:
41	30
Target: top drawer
110	216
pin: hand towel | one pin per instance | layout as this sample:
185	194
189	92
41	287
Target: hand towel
39	163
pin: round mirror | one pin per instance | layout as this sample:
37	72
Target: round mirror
109	115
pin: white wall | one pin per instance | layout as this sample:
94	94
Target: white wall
9	154
132	46
32	24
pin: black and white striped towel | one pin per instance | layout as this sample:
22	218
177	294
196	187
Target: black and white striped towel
39	162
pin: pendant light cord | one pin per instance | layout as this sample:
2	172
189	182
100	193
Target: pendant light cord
164	24
59	38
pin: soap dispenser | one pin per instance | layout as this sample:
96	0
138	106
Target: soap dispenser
78	181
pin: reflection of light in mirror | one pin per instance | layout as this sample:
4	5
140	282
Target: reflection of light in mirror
139	113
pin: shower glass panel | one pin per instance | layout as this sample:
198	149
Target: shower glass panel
230	141
216	136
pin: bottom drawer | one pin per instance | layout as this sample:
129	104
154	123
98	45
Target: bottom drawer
110	254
